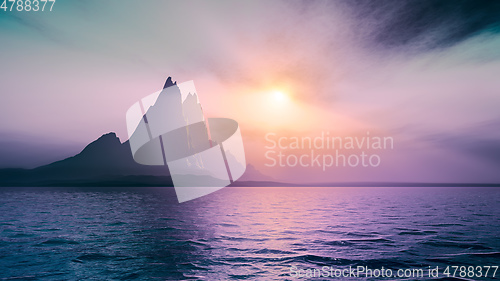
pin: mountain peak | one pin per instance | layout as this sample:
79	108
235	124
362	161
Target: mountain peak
169	83
110	135
107	140
253	174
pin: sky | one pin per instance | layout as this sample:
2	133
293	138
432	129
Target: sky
422	72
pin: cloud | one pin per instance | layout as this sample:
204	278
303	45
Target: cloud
422	25
480	141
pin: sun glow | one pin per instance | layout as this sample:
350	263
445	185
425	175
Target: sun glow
279	96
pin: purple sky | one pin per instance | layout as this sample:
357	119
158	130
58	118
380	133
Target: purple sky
426	77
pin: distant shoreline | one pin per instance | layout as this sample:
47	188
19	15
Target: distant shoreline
166	181
362	184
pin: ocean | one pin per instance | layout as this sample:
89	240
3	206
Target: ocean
250	233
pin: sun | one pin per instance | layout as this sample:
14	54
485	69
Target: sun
279	96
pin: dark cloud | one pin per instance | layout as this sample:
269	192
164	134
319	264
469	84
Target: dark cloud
414	25
481	141
426	24
488	150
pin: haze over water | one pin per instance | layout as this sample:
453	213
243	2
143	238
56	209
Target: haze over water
241	232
